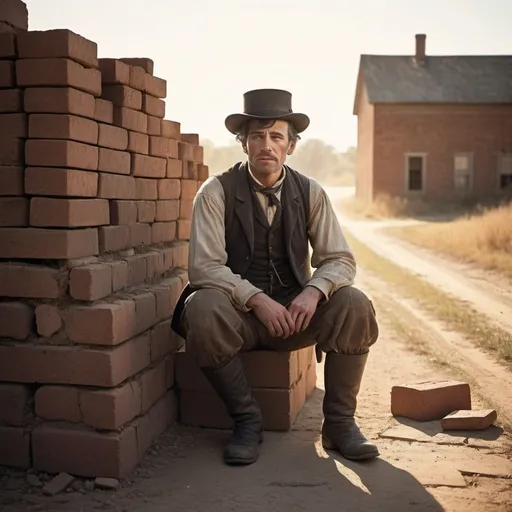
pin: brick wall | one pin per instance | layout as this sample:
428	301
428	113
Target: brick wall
96	198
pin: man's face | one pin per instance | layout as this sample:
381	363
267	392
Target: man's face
267	148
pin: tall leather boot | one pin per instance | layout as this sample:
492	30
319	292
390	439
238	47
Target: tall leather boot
231	384
343	374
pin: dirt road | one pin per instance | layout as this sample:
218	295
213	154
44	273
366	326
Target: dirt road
428	471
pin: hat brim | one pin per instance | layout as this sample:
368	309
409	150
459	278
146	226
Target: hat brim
235	121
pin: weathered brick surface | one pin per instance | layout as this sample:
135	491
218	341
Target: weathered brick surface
130	119
114	238
91	282
174	168
112	137
59	100
148	166
57	212
155	86
11	100
163	147
63	126
138	143
61	153
11	181
14	125
169	189
153	106
111	160
114	71
14	13
11	152
8	48
145	63
113	186
137	78
167	210
188	189
7	75
123	212
47	181
122	96
48	320
16	320
154	126
15	404
146	211
103	111
478	419
30	281
171	129
13	211
146	188
15	447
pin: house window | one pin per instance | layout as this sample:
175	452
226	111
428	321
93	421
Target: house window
463	172
415	172
505	171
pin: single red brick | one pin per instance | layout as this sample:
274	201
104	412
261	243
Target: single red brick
63	126
148	166
103	111
114	186
138	143
185	151
146	211
13	126
15	447
427	401
123	212
14	13
188	189
145	63
197	154
111	160
119	275
123	96
61	153
11	152
140	234
59	43
7	75
145	310
174	168
154	265
137	269
171	129
57	73
130	119
163	232
59	100
154	126
167	210
191	138
30	281
153	106
13	211
48	320
155	86
479	419
58	403
8	48
11	100
47	244
15	406
114	238
11	181
47	181
184	227
186	208
162	147
73	213
169	189
146	188
16	320
137	78
114	71
203	172
112	137
90	282
164	307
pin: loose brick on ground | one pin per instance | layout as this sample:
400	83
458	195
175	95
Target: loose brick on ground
153	106
63	126
58	43
171	129
58	484
114	186
191	138
130	119
140	234
169	189
57	73
11	181
188	189
148	166
163	147
478	419
61	153
8	46
48	181
11	152
16	320
123	212
155	86
59	100
112	137
47	244
163	232
146	188
13	125
13	211
15	447
146	211
138	143
15	406
11	100
91	282
111	160
174	168
104	111
7	75
154	126
14	13
30	281
57	212
145	63
114	71
114	238
167	210
48	320
123	96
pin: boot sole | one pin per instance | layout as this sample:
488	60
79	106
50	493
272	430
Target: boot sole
243	462
328	445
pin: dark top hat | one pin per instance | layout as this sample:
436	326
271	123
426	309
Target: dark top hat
267	104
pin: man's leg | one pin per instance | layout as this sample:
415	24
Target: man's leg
215	334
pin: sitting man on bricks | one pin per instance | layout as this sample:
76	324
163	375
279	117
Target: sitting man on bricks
250	283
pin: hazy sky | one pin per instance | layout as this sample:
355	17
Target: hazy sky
211	52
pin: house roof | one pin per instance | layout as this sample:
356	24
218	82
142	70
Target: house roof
440	79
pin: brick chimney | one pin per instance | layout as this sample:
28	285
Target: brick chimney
419	56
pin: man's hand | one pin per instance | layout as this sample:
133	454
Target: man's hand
303	307
275	317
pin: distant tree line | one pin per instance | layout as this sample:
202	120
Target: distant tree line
312	157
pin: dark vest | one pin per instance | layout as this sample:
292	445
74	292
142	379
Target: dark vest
251	244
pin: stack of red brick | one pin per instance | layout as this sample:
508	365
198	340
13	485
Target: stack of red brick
95	211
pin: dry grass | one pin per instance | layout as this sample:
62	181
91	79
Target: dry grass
454	313
484	238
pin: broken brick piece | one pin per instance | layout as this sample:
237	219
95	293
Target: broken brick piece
478	419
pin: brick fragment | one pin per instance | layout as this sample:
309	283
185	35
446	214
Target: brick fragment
73	213
188	189
8	46
16	320
103	111
155	86
432	400
91	282
154	126
174	168
47	244
58	43
11	100
153	106
116	186
146	211
13	211
15	447
112	137
11	181
47	181
123	212
167	210
143	62
114	238
163	232
114	71
58	484
111	160
122	96
15	406
14	13
29	281
61	153
148	166
63	126
59	100
171	129
13	125
478	419
57	73
169	189
130	119
140	234
48	320
191	138
138	143
146	188
7	75
162	147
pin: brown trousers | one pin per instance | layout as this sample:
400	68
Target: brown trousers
216	331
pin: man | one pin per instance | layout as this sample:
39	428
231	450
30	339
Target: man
251	285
